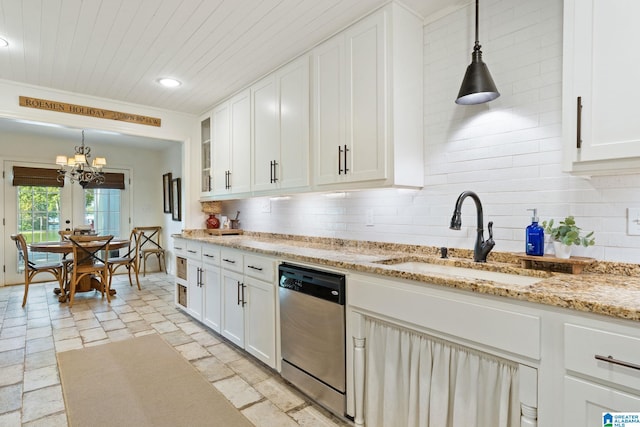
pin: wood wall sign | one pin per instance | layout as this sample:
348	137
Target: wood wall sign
82	110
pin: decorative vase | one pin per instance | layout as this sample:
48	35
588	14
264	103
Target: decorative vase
562	251
213	222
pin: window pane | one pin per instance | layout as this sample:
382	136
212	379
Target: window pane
39	218
102	209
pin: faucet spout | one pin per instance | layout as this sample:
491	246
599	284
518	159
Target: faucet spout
482	247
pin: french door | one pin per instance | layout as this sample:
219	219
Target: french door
40	212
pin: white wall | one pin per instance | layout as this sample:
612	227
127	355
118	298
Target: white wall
507	151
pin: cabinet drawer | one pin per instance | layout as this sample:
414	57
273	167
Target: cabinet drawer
231	260
211	254
194	250
582	345
259	267
180	247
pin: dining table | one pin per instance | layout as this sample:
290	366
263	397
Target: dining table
65	247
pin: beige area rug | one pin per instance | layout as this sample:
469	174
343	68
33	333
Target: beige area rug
140	382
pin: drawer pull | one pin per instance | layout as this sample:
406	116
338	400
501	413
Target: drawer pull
191	251
255	268
229	260
209	256
610	359
178	248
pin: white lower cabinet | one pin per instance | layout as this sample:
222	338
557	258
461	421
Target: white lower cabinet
211	288
585	402
193	253
203	284
232	293
260	320
602	371
507	331
249	304
233	307
195	290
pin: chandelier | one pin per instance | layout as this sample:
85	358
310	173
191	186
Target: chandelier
77	168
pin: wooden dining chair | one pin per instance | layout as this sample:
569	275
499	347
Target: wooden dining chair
89	262
66	260
64	234
150	245
130	260
31	269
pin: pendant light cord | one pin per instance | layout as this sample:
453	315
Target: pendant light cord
476	46
477	13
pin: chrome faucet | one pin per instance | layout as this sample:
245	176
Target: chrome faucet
482	247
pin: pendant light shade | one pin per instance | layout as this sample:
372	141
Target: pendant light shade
477	86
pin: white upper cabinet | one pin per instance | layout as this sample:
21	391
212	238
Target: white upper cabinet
600	128
221	153
367	103
266	138
280	154
231	146
346	115
240	109
293	89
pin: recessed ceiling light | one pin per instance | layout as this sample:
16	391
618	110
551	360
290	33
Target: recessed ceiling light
169	82
3	42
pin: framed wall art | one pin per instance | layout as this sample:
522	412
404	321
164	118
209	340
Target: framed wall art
166	192
175	199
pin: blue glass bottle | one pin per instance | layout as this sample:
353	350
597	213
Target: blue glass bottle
535	236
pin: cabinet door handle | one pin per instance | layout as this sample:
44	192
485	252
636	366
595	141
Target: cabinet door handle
346	150
239	300
274	172
579	122
227	180
339	160
611	359
254	268
244	301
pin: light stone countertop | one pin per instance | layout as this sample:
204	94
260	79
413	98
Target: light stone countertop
610	289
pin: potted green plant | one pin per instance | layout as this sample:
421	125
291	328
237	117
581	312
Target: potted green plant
566	234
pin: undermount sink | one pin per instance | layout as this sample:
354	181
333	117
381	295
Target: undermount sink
422	267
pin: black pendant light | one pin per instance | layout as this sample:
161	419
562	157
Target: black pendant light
477	86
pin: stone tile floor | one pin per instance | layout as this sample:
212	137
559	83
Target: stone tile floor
30	390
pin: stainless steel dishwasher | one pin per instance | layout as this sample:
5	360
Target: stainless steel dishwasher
312	331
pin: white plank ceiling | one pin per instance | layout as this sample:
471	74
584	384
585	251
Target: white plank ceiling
117	49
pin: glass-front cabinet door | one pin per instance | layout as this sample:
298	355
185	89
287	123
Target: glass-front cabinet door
205	135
